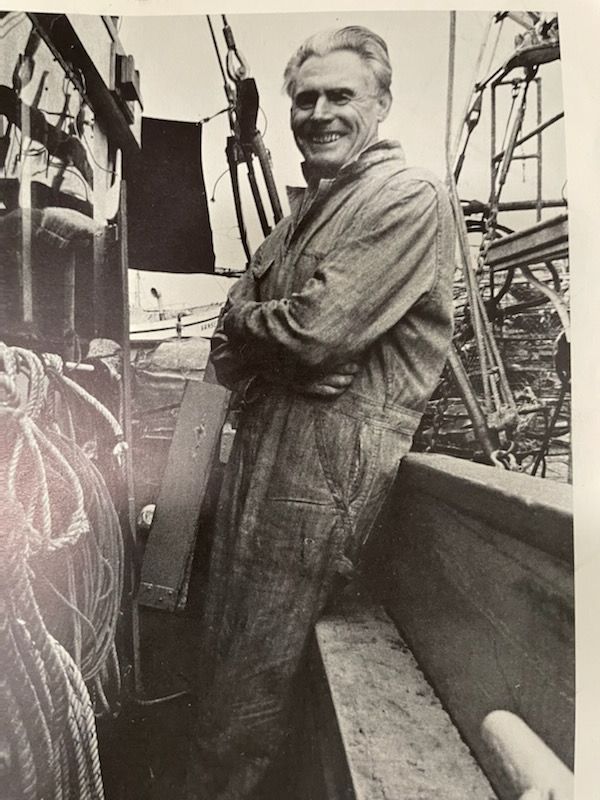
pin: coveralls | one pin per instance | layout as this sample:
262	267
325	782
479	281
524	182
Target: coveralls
361	270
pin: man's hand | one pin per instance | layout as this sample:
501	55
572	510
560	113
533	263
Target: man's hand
331	384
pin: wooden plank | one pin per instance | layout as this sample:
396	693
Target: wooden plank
382	716
172	537
487	612
527	508
537	243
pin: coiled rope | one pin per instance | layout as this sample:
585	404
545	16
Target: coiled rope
61	580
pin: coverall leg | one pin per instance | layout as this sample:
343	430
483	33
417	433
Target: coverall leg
302	489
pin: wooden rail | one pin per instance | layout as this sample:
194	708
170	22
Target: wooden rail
474	566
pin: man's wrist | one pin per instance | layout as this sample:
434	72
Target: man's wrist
233	322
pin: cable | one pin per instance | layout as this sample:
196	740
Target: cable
225	110
476	72
212	197
90	151
266	120
216	46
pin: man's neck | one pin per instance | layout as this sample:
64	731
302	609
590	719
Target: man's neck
315	174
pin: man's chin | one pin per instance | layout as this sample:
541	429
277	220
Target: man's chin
323	167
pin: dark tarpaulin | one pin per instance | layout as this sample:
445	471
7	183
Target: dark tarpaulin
169	226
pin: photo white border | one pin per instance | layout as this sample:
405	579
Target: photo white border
579	22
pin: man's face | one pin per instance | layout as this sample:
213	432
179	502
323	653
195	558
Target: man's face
336	110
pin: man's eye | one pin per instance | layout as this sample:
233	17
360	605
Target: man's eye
340	98
305	100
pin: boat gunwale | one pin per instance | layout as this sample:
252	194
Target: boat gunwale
533	510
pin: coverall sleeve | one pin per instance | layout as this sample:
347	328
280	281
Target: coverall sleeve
227	357
363	287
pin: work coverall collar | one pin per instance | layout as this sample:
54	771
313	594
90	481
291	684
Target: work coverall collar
384	150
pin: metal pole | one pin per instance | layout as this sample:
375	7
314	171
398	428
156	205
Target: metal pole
475	207
463	384
538	211
493	168
545	445
232	161
264	158
538	129
260	209
450	87
516	127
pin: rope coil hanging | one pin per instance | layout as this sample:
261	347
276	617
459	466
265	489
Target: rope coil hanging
61	580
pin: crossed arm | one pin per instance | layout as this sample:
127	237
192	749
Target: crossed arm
235	364
315	339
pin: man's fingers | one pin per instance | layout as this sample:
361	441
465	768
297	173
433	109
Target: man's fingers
323	390
330	386
333	383
350	368
336	381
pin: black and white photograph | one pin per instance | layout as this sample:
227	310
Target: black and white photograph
295	472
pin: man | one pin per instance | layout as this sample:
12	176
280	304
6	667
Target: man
337	335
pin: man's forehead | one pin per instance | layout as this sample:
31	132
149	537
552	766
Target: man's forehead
337	70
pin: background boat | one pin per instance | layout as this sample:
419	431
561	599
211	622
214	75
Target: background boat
196	321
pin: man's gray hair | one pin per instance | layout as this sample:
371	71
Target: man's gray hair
368	45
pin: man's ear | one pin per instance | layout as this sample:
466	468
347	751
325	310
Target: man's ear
384	102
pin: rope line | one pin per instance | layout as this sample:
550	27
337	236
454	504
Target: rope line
61	580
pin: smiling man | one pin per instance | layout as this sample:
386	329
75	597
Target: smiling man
335	337
337	109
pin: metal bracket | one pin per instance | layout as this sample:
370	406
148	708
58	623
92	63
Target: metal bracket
155	596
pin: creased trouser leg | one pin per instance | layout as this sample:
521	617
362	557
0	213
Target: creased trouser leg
301	492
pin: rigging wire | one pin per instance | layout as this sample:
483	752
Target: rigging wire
476	73
231	149
90	150
245	141
263	133
222	175
495	46
216	46
225	110
500	409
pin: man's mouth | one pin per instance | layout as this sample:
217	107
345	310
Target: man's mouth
324	138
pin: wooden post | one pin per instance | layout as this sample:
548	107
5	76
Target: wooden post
99	274
26	268
69	308
130	610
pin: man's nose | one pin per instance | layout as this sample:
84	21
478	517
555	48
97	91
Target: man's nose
321	108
